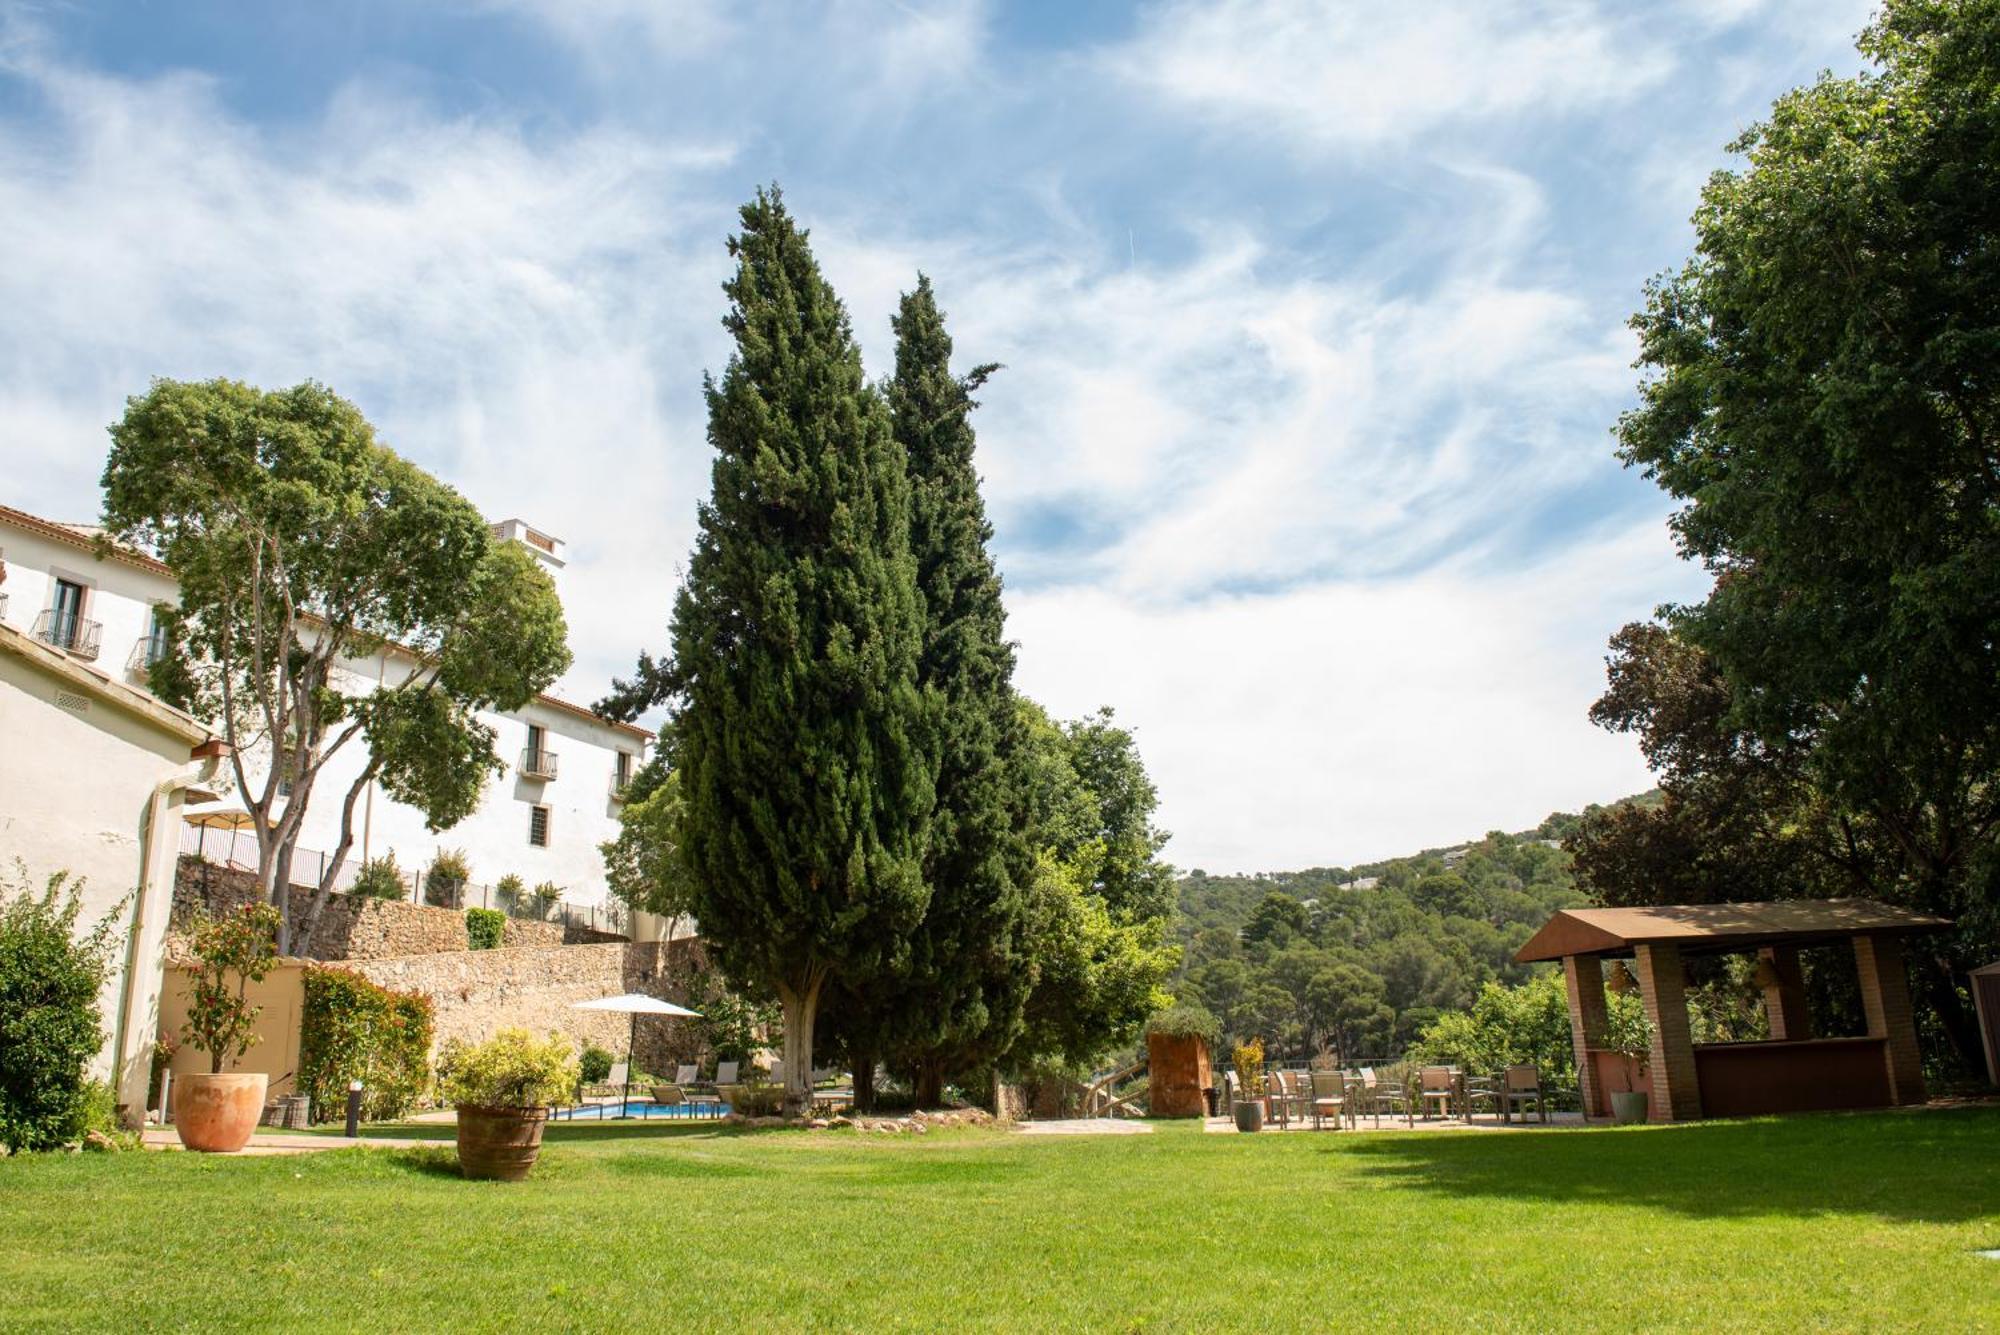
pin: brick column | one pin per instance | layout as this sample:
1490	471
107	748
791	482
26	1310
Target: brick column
1885	1000
1785	997
1585	976
1676	1088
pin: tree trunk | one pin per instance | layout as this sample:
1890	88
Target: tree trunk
801	1013
864	1083
929	1082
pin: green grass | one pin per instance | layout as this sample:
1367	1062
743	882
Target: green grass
1843	1222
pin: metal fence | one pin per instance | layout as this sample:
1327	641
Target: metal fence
237	849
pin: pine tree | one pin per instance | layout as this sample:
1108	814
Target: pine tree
957	1004
805	751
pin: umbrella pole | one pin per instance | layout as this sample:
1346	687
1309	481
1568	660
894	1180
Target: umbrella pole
631	1042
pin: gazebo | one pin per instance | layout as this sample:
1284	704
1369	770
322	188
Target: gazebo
1792	1071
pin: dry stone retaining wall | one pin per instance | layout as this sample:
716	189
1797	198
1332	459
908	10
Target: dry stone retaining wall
349	928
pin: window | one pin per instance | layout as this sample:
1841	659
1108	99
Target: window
156	638
624	769
538	826
68	618
535	738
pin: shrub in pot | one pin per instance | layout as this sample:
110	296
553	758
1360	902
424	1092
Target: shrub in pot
503	1089
1630	1034
1249	1106
217	1112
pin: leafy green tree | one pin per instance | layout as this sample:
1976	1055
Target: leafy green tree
646	865
1507	1026
805	750
301	544
1822	399
1277	920
1351	1008
956	1003
50	977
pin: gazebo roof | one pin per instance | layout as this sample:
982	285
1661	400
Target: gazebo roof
1717	928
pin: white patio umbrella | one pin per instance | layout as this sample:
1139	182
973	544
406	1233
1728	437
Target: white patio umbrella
227	814
635	1004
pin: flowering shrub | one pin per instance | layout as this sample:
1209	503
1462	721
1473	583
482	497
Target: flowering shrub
352	1029
220	1019
1249	1060
512	1069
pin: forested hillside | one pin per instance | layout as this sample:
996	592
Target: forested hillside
1359	959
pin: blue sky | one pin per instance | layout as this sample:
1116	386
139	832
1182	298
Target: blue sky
1312	314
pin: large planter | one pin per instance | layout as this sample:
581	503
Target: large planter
499	1144
1628	1106
754	1100
1249	1115
217	1114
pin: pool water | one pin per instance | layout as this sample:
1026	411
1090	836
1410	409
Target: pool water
639	1108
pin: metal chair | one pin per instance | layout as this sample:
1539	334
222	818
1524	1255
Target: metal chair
1329	1098
1438	1087
1517	1087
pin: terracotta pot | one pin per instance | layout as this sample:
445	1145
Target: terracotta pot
500	1144
1629	1107
1249	1116
217	1114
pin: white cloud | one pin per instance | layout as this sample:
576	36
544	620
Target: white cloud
1332	73
1341	722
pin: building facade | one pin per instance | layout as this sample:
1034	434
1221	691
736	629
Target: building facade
542	821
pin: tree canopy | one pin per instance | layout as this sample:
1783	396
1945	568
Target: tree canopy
300	544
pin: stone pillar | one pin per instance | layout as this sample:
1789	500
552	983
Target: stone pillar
1676	1088
1885	1000
1585	976
1785	995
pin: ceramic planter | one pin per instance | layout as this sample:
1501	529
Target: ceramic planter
217	1114
1628	1107
499	1144
1249	1115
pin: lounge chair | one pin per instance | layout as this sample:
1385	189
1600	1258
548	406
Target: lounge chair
777	1070
687	1074
612	1085
1329	1098
725	1073
1438	1088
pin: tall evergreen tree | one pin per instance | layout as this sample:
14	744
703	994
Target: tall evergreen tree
957	1004
805	757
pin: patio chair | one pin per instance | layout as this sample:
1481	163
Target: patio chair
1329	1098
1517	1087
725	1073
1437	1088
612	1084
1386	1094
1292	1096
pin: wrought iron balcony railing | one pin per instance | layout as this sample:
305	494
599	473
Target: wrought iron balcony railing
69	632
538	764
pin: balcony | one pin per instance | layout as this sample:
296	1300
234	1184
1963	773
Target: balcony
538	764
3	604
144	654
620	784
69	632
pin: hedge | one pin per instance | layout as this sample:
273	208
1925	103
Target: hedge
484	927
351	1029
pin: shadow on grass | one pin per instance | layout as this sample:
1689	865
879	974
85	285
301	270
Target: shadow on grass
1938	1166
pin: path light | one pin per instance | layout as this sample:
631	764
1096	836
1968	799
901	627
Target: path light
354	1088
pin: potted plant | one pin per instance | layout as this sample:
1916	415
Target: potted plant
503	1089
1177	1062
217	1112
1249	1106
1628	1033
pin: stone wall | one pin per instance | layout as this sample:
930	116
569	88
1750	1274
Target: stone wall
478	992
349	928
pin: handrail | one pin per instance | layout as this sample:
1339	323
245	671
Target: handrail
68	631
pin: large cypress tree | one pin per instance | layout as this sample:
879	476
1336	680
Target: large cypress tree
957	1003
804	737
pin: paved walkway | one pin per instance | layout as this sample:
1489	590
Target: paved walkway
280	1142
1085	1126
1227	1125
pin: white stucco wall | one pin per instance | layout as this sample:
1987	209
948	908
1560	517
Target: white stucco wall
77	790
582	814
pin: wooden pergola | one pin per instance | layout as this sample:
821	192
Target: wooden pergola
1792	1071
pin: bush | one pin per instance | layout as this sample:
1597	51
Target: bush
1249	1066
545	897
445	878
352	1029
484	928
510	892
1186	1022
512	1069
49	1022
379	878
595	1065
220	1021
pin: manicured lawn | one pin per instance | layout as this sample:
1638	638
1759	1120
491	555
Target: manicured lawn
1855	1222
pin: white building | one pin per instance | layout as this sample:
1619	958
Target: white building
543	821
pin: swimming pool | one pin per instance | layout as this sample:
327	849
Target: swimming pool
643	1109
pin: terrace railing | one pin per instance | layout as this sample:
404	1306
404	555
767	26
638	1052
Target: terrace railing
69	632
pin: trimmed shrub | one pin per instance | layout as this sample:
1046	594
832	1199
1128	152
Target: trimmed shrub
49	1023
484	928
352	1029
595	1065
379	878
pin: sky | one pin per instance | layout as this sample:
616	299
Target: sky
1312	312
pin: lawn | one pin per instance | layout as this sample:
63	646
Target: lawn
1844	1222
